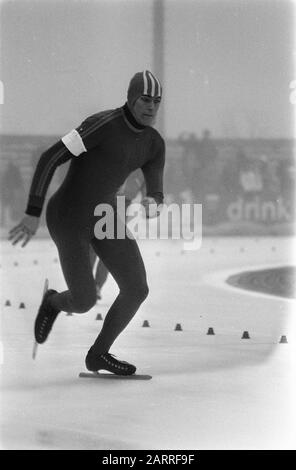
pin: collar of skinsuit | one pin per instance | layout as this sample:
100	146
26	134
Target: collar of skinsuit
131	121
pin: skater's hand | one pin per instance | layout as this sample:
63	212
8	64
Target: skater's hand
151	207
25	230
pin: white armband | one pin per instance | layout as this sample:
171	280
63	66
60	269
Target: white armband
74	143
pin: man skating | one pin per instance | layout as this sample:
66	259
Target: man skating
103	150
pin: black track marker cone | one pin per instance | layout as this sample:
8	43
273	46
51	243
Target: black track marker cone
283	339
246	335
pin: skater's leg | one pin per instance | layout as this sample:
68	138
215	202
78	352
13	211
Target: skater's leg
74	257
73	245
101	274
123	259
92	256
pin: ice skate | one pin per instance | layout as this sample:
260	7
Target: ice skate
107	361
45	318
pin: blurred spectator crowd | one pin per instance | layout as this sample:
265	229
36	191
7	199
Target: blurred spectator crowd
216	173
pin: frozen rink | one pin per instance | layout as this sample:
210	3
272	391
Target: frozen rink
208	391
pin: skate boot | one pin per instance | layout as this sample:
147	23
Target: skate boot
45	318
107	361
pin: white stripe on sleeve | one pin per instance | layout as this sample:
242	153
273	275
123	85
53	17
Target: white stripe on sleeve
74	143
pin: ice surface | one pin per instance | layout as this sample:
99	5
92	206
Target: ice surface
208	391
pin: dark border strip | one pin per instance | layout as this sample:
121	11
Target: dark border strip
279	282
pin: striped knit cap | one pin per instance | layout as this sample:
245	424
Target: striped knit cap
143	83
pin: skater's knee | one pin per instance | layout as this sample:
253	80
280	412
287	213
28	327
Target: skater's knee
83	305
141	291
135	290
145	291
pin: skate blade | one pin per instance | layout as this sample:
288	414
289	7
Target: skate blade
35	346
98	375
